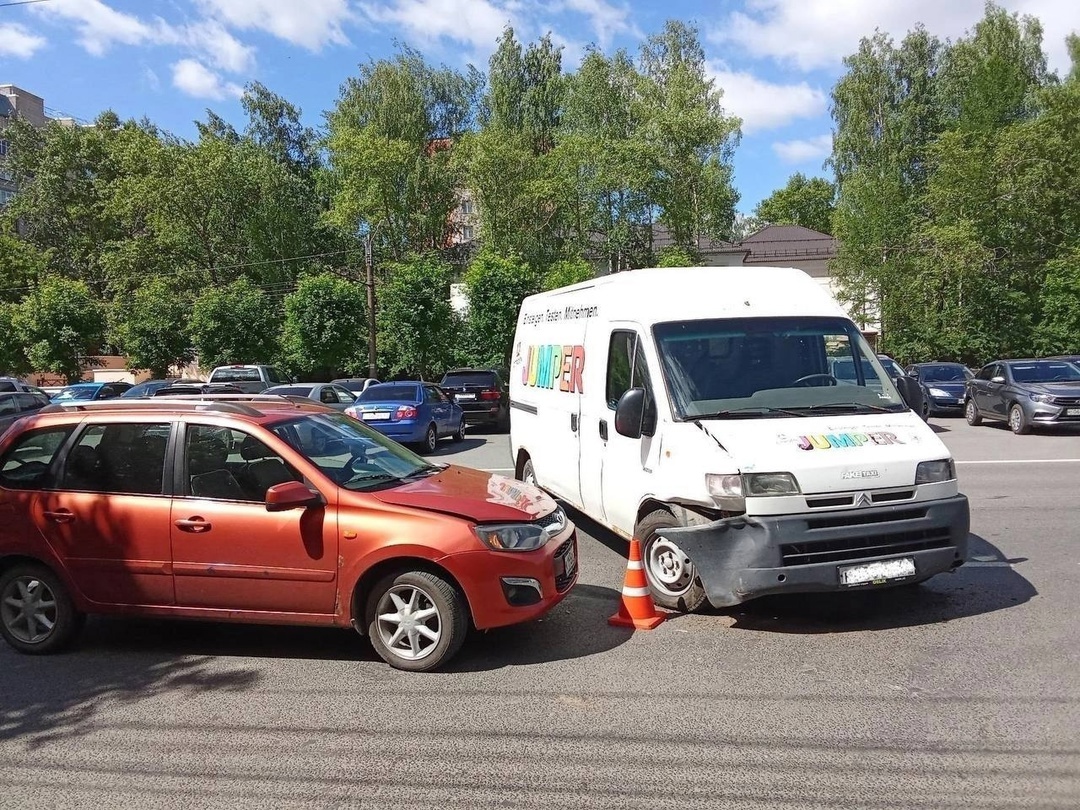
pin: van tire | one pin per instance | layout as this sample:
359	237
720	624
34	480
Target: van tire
528	473
683	600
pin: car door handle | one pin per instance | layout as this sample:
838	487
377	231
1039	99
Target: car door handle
603	429
573	422
194	525
61	516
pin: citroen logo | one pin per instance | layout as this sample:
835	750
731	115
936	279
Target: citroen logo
863	500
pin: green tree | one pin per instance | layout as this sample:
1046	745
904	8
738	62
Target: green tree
565	272
21	265
689	140
496	285
12	356
417	326
804	201
59	323
325	328
235	323
1058	331
151	327
675	256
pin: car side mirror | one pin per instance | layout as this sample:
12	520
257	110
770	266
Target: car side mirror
291	495
999	379
630	413
910	392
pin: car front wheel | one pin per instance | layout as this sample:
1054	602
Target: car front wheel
670	573
417	620
1018	421
971	413
37	615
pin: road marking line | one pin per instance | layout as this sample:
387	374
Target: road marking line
1023	461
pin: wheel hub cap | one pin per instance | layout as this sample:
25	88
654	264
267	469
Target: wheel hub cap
29	609
408	622
669	567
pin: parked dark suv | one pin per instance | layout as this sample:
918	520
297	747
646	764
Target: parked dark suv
1024	393
482	393
14	406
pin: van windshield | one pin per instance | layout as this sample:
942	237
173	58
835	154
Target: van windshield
752	367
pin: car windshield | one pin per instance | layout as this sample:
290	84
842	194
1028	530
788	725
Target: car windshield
390	392
771	367
76	392
456	379
236	375
1045	371
349	453
932	374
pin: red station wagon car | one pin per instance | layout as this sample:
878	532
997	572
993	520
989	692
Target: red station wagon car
269	510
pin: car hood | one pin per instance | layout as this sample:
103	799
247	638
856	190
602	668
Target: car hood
472	494
1061	389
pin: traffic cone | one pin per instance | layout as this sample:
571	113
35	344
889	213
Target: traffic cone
636	609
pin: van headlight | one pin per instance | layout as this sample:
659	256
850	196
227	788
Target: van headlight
934	472
513	536
729	491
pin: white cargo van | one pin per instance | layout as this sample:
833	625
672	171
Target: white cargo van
695	409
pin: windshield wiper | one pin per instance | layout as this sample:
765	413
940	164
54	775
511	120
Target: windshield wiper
844	406
748	412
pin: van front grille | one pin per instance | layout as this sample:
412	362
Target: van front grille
857	548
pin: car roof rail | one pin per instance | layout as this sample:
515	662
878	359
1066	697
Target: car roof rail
152	404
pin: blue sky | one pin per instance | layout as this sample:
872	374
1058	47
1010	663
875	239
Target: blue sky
776	60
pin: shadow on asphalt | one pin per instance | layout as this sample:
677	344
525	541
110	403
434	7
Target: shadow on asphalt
447	447
937	428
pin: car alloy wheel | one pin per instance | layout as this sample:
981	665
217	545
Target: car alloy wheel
971	413
431	439
29	610
1018	422
409	622
417	620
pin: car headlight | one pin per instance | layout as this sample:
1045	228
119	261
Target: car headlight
730	490
937	392
934	472
513	536
1041	398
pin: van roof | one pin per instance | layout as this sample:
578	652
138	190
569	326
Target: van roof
655	295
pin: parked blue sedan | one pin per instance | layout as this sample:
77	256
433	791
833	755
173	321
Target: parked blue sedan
411	413
82	392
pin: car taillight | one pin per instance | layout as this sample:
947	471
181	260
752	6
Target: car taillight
489	395
406	412
353	411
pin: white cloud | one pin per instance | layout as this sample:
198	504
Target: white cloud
99	25
804	150
195	79
607	20
311	24
819	33
224	51
151	79
477	22
764	105
19	41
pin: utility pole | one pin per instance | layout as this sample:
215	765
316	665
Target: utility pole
369	272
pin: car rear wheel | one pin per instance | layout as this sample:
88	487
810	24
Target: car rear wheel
459	434
1018	421
417	620
669	571
37	615
431	439
971	413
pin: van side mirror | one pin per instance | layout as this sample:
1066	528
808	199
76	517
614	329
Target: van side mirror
911	392
290	495
630	413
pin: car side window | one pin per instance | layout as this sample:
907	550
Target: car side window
985	373
127	458
28	462
344	396
626	367
226	464
273	376
327	395
29	402
430	397
8	405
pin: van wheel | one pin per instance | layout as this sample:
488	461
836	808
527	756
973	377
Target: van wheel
670	572
528	473
417	620
37	615
971	413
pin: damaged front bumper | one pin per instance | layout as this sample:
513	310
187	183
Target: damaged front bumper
741	558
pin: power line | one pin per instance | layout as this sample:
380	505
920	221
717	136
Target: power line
22	3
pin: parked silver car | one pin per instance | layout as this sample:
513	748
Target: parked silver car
329	394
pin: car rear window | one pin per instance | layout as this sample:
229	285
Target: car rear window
236	375
6	386
470	378
390	393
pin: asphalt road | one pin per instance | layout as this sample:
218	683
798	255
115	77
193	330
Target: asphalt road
962	692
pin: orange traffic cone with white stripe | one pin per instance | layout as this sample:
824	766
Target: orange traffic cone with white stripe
636	609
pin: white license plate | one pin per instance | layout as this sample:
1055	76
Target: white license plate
465	397
569	562
876	572
375	416
1072	411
